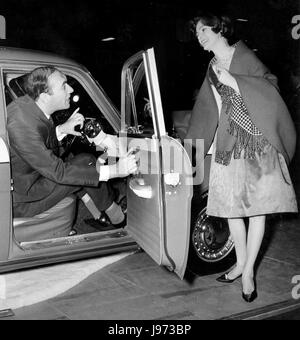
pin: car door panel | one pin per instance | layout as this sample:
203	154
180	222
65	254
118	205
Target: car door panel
144	214
177	202
156	219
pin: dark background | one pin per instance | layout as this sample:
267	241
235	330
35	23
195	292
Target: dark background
75	29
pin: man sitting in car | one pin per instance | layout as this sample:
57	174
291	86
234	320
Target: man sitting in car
41	177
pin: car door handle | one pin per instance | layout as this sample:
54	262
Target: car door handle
139	187
172	179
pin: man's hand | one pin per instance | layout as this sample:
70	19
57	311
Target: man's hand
126	166
68	128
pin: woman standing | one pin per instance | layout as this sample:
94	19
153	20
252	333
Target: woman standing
240	113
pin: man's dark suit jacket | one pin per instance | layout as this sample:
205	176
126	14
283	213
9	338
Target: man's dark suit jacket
35	162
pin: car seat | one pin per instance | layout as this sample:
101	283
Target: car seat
53	223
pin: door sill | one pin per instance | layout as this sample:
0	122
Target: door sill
76	239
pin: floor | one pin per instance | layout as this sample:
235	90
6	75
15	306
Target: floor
137	289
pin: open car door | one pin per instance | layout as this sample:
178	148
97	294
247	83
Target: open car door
159	195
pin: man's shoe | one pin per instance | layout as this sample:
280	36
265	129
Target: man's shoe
103	223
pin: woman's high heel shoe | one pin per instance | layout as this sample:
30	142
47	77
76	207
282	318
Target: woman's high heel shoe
250	297
224	278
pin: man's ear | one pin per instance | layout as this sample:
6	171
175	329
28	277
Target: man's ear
44	97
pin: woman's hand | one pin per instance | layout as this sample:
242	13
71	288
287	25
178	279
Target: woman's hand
224	76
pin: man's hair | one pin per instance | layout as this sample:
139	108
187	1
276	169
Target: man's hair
36	82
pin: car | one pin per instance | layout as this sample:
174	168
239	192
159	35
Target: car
166	212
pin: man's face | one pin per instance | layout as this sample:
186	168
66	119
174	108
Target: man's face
59	92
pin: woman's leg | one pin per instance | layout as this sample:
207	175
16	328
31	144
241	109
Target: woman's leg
255	236
238	233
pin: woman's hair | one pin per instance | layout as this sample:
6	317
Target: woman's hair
220	24
36	82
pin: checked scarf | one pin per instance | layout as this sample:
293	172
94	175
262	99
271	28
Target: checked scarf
236	132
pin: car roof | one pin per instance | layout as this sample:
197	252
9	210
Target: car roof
14	54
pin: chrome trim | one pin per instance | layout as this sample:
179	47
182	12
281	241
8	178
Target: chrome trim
4	153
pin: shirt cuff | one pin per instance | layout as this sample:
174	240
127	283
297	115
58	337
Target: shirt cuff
111	143
98	139
60	136
104	173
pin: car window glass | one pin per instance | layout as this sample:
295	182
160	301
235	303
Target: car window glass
14	87
8	96
138	110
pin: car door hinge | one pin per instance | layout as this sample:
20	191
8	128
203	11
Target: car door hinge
11	185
